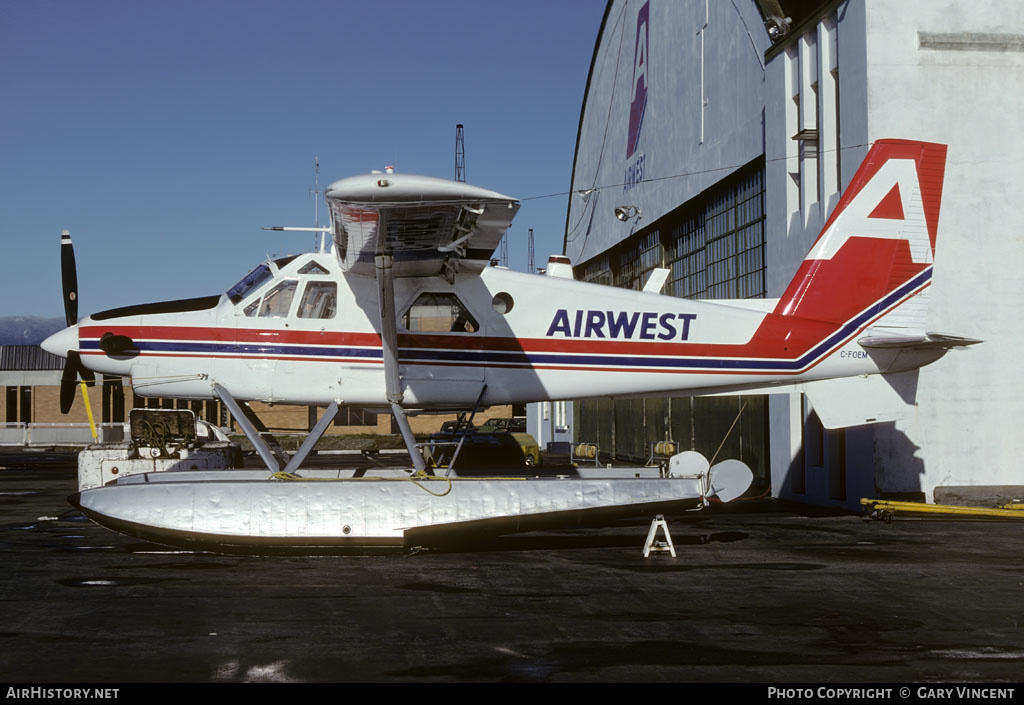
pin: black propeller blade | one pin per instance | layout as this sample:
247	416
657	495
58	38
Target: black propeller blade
67	388
73	367
69	278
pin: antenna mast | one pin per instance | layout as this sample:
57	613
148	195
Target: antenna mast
460	155
319	241
530	267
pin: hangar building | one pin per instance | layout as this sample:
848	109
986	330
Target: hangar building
726	133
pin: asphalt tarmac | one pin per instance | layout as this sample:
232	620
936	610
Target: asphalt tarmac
758	593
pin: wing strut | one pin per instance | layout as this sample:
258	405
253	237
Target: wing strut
389	344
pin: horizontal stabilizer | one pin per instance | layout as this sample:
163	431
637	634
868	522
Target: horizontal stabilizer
928	341
898	353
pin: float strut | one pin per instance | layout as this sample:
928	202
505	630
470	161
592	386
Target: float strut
250	431
312	438
407	436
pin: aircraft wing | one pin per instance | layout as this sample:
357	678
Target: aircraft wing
429	226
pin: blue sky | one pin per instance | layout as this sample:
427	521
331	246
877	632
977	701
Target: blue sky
163	135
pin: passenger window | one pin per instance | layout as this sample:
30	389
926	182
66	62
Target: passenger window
439	313
278	300
320	300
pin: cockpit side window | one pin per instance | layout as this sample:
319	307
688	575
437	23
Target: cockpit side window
278	300
249	283
435	312
319	300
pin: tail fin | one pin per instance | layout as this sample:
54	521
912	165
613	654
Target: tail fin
877	248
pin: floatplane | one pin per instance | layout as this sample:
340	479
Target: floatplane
406	313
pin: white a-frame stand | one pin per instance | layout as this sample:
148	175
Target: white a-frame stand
659	546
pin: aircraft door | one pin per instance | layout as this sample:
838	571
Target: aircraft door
438	339
262	338
304	371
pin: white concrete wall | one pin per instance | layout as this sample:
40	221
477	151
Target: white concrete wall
935	71
953	72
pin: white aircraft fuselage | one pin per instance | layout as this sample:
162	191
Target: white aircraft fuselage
561	339
307	329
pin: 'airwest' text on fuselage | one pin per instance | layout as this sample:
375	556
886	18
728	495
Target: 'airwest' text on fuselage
621	324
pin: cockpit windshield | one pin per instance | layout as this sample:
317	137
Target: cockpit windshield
249	282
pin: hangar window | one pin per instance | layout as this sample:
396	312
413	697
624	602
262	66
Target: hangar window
638	260
688	264
439	313
716	248
597	271
628	275
713	245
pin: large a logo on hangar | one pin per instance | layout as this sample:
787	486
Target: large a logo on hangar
638	102
634	173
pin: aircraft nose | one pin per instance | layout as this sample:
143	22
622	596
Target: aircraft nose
60	342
